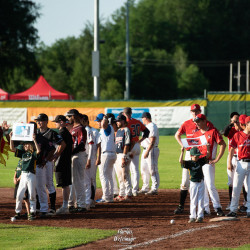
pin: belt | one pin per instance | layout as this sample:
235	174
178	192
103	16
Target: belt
234	155
245	160
111	152
153	147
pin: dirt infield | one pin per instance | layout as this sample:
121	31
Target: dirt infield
145	221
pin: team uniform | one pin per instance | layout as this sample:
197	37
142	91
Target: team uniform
79	160
213	139
135	127
196	187
108	158
122	139
149	166
241	142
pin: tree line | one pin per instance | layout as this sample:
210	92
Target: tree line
178	49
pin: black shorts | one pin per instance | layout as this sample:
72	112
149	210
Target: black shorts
63	179
26	194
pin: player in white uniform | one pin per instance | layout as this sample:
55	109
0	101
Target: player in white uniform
150	155
106	157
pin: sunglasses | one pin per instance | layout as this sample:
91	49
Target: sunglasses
69	116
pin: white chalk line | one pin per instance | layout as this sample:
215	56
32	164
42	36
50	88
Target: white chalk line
169	237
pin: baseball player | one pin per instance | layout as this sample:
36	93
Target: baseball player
197	182
240	141
213	138
62	159
135	127
79	161
150	155
122	143
106	157
45	170
189	128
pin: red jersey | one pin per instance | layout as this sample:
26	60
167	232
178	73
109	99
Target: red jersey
189	128
232	132
135	127
79	136
213	137
241	141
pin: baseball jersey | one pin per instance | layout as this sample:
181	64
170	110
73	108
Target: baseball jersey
230	136
135	127
241	141
79	136
90	138
53	137
213	138
195	168
122	139
153	132
28	160
107	139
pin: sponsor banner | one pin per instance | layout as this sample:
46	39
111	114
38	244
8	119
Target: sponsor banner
23	132
53	112
13	115
136	112
171	117
194	142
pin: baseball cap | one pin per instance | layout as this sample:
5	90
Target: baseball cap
42	117
195	107
71	112
60	118
247	120
195	151
99	117
146	115
111	117
121	117
242	119
200	117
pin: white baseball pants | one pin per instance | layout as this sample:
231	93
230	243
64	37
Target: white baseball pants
242	172
28	180
196	199
230	174
116	189
105	171
185	181
49	169
210	189
123	177
149	167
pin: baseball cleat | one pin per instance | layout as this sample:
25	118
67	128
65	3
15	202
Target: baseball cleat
115	195
191	220
142	191
72	209
219	212
152	192
135	194
101	201
119	198
232	214
179	210
17	216
199	220
31	216
206	213
81	209
62	210
242	209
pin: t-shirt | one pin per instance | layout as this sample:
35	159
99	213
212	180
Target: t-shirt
135	127
79	136
153	132
28	160
195	168
107	139
122	139
241	141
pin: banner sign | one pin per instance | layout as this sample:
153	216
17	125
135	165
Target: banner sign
194	142
13	115
23	132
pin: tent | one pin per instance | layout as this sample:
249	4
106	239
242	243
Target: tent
3	95
41	90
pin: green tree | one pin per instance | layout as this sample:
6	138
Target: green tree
113	91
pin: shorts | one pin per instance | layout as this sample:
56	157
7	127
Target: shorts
63	179
26	194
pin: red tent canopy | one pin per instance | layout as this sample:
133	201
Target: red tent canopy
3	95
41	90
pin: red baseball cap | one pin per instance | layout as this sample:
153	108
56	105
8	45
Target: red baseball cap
200	117
242	119
195	107
247	120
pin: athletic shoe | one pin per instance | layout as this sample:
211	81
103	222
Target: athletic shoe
179	210
232	214
81	209
248	215
115	195
142	191
31	216
51	212
152	192
228	206
220	212
199	220
119	198
101	201
62	210
242	209
17	216
72	209
191	220
135	194
206	213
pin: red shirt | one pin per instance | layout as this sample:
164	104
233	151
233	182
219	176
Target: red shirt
135	127
232	132
241	141
213	137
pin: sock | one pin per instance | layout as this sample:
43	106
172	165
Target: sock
244	193
230	190
92	192
66	192
37	202
183	197
52	198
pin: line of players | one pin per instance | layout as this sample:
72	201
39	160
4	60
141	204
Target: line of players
238	163
74	154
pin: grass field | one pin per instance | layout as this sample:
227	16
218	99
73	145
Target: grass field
169	168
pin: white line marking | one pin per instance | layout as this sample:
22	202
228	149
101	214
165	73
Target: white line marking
168	237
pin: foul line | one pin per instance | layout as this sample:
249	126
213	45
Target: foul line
168	237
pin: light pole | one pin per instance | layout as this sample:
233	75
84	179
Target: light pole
128	69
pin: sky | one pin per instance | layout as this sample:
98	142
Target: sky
63	18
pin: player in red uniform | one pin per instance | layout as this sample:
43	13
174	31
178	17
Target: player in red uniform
241	141
188	128
135	127
213	139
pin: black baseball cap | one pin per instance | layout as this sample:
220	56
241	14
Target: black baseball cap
42	117
146	115
60	118
195	151
121	117
71	112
